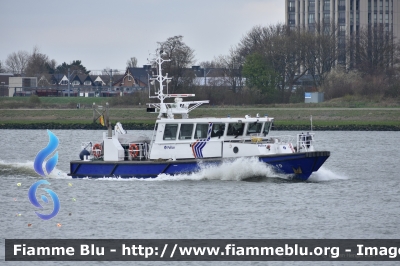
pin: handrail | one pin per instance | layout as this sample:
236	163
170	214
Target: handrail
152	140
305	142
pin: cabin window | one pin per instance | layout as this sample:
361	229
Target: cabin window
266	128
254	128
201	131
235	129
186	131
218	130
170	131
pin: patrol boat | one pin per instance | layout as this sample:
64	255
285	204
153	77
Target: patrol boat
181	145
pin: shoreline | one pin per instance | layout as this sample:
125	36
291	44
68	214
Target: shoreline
146	126
297	119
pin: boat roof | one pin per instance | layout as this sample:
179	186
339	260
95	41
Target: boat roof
215	120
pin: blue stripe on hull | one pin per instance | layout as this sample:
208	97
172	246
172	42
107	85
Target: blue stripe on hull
301	165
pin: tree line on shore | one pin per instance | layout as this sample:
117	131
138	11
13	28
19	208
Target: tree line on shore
268	63
275	58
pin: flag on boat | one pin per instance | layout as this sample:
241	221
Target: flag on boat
102	120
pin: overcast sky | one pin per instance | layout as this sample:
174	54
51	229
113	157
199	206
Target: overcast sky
107	33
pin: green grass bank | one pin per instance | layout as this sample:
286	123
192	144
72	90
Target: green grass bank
286	118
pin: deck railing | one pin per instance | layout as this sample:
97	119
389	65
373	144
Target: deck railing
305	142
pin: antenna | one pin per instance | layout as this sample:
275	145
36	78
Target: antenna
168	109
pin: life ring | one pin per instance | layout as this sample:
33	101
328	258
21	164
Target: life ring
96	150
268	147
133	150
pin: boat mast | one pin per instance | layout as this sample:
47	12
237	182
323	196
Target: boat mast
167	110
160	78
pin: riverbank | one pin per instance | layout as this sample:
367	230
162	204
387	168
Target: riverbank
377	119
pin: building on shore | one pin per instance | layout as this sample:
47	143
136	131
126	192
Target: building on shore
112	84
350	16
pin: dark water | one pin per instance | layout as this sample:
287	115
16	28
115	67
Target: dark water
354	195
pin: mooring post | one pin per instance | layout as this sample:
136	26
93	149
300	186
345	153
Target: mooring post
109	130
107	114
94	117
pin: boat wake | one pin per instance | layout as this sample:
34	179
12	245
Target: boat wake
240	169
24	170
323	174
247	169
